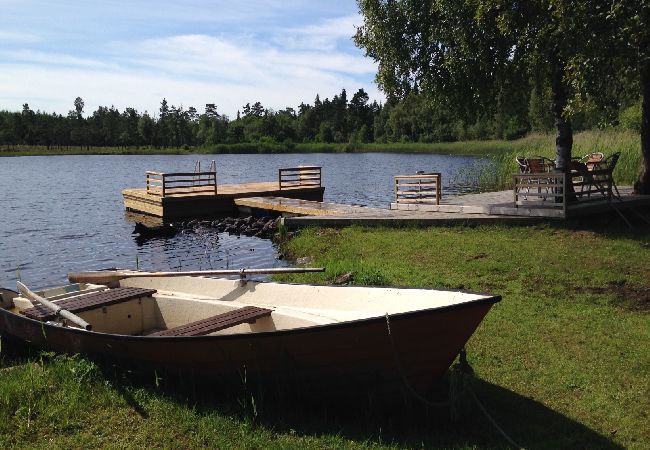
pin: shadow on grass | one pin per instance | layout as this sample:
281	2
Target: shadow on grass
407	423
527	422
368	420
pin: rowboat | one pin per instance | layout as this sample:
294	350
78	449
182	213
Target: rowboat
328	338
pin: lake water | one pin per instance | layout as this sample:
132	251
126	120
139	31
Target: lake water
65	213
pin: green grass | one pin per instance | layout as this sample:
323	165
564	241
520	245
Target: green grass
561	362
570	335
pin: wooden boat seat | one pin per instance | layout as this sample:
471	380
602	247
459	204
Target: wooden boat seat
90	301
247	314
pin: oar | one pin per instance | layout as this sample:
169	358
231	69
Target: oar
58	311
109	276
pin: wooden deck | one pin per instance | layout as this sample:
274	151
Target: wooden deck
289	206
303	213
501	203
490	207
202	204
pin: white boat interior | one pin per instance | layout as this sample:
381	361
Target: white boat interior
182	301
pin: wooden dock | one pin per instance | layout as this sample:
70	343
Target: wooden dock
196	194
292	206
490	207
298	195
504	203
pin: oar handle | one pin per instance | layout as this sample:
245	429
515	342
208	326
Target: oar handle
97	277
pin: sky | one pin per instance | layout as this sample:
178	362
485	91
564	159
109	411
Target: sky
135	53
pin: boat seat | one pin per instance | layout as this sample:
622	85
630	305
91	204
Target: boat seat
86	302
247	314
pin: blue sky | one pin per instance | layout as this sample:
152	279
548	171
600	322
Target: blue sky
134	53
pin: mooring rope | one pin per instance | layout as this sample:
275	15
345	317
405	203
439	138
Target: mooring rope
427	402
492	421
408	386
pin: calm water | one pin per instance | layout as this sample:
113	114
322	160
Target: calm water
65	213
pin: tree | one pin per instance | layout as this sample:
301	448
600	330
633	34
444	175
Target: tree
632	58
257	109
211	110
146	127
79	107
463	53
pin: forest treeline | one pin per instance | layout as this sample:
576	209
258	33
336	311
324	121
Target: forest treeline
339	120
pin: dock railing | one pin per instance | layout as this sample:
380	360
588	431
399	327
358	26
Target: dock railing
181	183
420	188
547	190
300	177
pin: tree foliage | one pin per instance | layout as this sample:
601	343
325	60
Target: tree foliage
476	57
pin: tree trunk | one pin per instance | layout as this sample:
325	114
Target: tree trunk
563	129
564	132
642	185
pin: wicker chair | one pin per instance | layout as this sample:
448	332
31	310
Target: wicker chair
591	160
535	165
601	176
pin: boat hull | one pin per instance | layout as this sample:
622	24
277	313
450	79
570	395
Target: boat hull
356	356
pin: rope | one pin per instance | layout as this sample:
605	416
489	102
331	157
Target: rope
492	421
408	386
618	211
420	398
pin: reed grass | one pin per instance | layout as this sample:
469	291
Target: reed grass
499	174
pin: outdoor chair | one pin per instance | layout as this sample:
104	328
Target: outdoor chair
523	166
591	160
539	164
535	165
601	176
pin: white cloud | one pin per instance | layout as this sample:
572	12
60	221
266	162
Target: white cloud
201	56
17	37
325	36
192	69
40	57
54	89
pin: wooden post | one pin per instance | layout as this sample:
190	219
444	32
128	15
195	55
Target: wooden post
163	185
396	189
565	179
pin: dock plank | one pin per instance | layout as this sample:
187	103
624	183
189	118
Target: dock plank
304	207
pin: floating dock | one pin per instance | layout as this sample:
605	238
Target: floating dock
173	196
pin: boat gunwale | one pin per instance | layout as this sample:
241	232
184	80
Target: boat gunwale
489	298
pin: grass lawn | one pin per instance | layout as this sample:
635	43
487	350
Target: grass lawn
561	362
